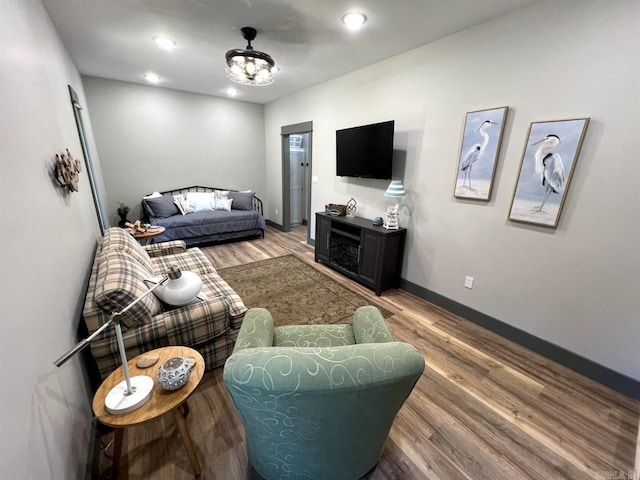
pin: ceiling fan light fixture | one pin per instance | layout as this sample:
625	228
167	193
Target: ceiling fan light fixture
249	66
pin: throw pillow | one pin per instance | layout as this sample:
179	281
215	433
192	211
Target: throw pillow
201	201
222	194
224	204
242	200
121	283
182	204
161	207
119	240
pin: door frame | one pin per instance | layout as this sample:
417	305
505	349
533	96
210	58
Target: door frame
285	131
97	201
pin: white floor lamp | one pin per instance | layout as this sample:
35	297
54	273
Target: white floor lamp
133	392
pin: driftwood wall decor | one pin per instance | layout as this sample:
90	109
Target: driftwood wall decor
67	170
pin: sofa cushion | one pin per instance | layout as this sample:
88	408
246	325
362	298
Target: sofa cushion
181	202
120	281
215	286
193	260
94	316
313	336
162	206
199	321
165	248
222	309
201	201
223	204
120	240
241	200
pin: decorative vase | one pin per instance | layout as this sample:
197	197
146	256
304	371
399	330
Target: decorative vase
123	220
174	373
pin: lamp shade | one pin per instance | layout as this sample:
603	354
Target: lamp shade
395	189
181	288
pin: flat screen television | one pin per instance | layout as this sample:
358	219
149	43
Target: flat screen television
365	151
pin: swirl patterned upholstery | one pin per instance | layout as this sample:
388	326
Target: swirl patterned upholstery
318	401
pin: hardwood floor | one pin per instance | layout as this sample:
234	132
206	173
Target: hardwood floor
485	408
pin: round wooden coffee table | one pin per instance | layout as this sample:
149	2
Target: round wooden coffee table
161	401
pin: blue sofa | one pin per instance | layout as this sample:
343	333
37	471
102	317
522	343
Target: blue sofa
245	219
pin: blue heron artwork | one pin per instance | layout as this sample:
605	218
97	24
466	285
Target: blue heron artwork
479	153
548	161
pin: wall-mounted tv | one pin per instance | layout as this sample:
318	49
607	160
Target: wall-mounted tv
365	151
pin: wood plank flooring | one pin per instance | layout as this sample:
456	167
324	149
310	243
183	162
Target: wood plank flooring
485	408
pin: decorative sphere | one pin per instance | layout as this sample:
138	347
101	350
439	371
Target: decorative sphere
174	373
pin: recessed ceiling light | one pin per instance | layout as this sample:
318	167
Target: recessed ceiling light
152	78
354	20
165	43
232	92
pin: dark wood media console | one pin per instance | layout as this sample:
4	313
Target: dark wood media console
353	246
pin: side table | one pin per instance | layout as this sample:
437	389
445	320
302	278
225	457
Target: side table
161	401
146	236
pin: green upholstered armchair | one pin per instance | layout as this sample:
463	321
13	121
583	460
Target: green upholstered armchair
318	401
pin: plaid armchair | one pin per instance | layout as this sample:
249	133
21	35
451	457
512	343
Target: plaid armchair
117	278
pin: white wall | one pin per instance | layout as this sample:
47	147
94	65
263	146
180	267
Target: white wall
48	239
578	286
156	139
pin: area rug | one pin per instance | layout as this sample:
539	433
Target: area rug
294	292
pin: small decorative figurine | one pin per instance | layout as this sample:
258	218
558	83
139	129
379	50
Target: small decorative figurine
352	207
174	373
391	222
67	170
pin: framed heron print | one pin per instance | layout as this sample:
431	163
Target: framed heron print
479	151
548	161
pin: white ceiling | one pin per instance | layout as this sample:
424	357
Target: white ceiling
113	38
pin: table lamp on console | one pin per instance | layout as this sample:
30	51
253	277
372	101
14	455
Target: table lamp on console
394	190
175	288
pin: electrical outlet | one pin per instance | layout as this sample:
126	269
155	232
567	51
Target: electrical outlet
468	282
276	211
